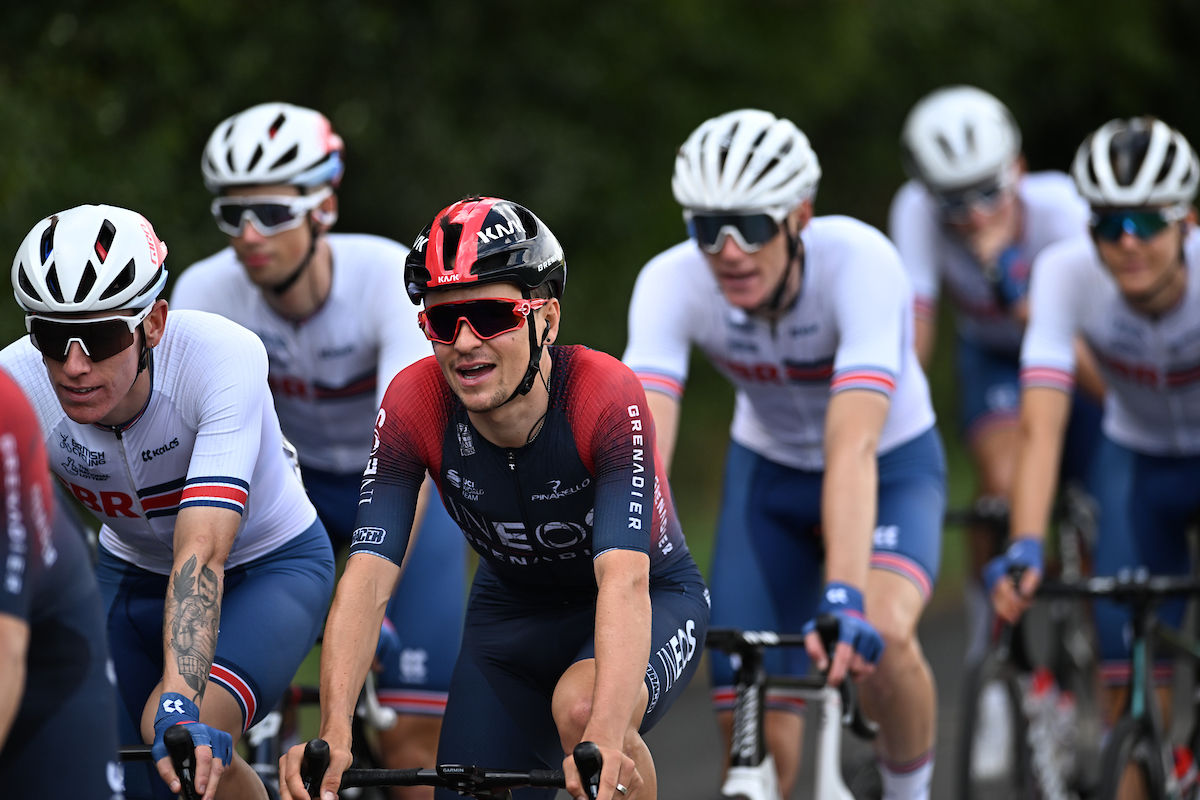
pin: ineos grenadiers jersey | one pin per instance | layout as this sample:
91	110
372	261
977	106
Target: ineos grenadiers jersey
850	328
932	254
206	436
329	372
1151	366
589	482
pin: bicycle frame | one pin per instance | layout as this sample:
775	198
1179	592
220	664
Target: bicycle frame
751	772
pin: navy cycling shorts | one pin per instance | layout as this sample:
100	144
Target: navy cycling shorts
768	559
427	607
271	614
1145	505
518	643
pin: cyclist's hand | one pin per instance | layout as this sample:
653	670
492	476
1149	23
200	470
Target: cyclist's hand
214	747
1023	558
616	769
291	787
859	644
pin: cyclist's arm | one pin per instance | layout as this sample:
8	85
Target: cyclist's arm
664	409
1043	422
925	333
192	613
622	644
14	645
849	493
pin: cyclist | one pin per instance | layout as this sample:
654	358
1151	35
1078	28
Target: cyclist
972	218
810	318
1132	290
164	428
587	613
54	665
326	307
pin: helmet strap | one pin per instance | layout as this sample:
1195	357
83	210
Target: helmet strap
535	356
290	281
795	255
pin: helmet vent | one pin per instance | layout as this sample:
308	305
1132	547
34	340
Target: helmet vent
25	284
150	283
970	137
48	239
1168	160
451	234
228	133
52	283
121	282
947	148
290	155
85	283
229	160
275	126
104	241
528	222
258	153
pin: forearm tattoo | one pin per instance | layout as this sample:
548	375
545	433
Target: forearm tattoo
194	611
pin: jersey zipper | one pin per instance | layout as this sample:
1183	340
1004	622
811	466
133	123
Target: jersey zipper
530	531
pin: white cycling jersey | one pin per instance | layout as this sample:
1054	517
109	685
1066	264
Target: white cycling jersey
932	254
329	372
1151	366
850	328
208	436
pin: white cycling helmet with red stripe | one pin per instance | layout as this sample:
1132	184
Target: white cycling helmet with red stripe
89	258
273	143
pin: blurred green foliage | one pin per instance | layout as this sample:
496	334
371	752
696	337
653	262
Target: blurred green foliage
574	109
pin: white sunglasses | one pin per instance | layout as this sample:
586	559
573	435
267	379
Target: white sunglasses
272	214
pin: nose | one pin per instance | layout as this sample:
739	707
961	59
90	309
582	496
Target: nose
77	362
250	232
465	339
730	249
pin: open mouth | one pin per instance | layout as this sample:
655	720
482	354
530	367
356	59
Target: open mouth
475	372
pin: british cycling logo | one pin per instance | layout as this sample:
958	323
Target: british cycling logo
148	455
90	458
368	536
83	472
555	493
173	706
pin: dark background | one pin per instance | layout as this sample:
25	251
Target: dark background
574	109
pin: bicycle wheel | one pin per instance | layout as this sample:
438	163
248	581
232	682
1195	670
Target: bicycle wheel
1132	763
993	761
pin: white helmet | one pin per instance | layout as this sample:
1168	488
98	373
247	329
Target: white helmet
273	143
745	160
1137	162
958	136
89	258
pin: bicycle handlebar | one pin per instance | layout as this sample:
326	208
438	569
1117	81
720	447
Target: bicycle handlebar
1131	585
183	757
467	780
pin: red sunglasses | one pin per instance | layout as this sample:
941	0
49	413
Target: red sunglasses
487	317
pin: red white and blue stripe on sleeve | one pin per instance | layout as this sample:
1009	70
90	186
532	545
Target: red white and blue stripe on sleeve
1047	377
661	382
217	492
873	378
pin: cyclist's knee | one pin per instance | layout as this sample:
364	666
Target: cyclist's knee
572	704
893	607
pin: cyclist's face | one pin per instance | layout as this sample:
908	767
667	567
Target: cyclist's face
485	373
103	391
1142	268
748	279
269	260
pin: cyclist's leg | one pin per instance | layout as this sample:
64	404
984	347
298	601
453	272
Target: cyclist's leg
514	651
271	614
758	498
989	393
427	612
679	621
900	695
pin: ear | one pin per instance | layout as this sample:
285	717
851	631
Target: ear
155	323
800	215
553	312
326	214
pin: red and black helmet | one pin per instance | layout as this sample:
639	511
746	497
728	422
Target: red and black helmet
484	240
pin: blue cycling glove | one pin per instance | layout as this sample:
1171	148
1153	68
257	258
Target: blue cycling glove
175	709
388	649
1010	277
1023	554
846	603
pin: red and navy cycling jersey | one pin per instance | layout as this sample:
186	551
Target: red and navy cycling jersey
590	481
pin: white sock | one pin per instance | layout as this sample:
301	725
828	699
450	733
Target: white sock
909	782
